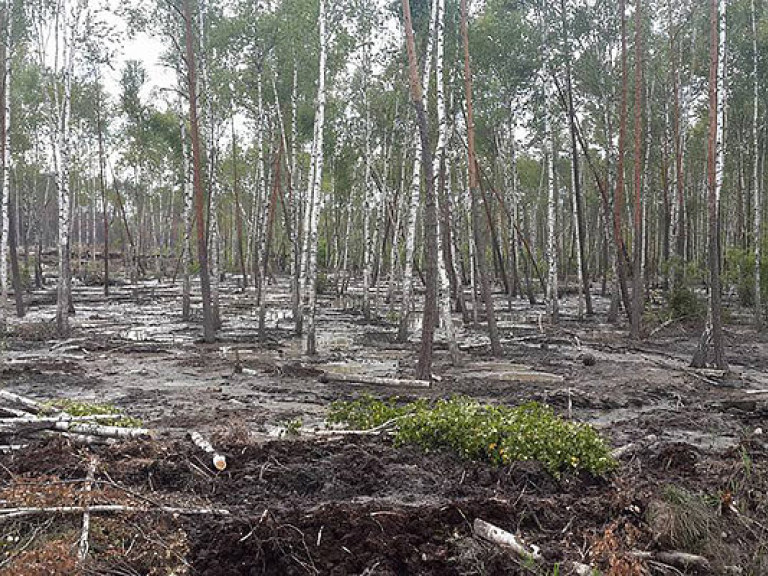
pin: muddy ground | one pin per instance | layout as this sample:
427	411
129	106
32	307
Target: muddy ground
693	475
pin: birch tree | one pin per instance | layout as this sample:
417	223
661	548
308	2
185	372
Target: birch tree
478	225
713	332
209	327
758	205
424	367
415	189
314	192
637	272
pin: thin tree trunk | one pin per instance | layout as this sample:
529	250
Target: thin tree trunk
581	236
713	332
424	367
552	287
758	205
412	213
439	163
314	193
209	330
618	202
474	185
637	273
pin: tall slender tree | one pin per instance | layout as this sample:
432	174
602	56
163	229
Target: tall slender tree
479	225
424	367
209	327
637	271
713	332
758	204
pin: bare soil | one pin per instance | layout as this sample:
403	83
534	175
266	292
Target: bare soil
359	505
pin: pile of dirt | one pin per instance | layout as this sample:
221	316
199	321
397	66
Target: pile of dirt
363	506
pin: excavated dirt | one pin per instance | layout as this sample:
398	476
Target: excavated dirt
359	505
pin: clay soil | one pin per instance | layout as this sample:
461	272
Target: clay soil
693	474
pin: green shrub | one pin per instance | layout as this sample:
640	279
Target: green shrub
684	303
112	415
496	434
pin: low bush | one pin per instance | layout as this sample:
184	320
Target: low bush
112	415
496	434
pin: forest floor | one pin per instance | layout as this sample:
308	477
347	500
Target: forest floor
693	474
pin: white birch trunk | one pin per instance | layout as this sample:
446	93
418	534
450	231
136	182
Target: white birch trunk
69	29
263	265
722	99
552	289
367	191
315	195
7	158
442	138
295	204
186	248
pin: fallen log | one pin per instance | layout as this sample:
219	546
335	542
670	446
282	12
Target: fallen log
682	560
327	377
83	545
380	429
98	430
23	400
9	513
505	539
10	423
219	461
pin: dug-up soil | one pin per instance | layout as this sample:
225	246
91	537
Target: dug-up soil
692	482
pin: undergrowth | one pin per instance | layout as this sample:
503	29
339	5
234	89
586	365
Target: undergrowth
496	434
112	415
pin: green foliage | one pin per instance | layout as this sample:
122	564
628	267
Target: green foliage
293	427
684	303
740	273
112	415
496	434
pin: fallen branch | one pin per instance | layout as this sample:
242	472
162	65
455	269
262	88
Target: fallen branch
23	400
8	513
327	377
505	539
624	450
219	461
380	429
106	431
676	559
83	546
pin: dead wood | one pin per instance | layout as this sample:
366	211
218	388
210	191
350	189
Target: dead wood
12	513
83	545
505	539
682	560
219	461
327	377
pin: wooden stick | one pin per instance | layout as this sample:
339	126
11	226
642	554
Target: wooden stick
19	399
98	430
326	377
219	461
676	559
505	539
381	428
9	513
30	419
83	546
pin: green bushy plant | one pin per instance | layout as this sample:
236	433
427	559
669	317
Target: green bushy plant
685	303
112	415
496	434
